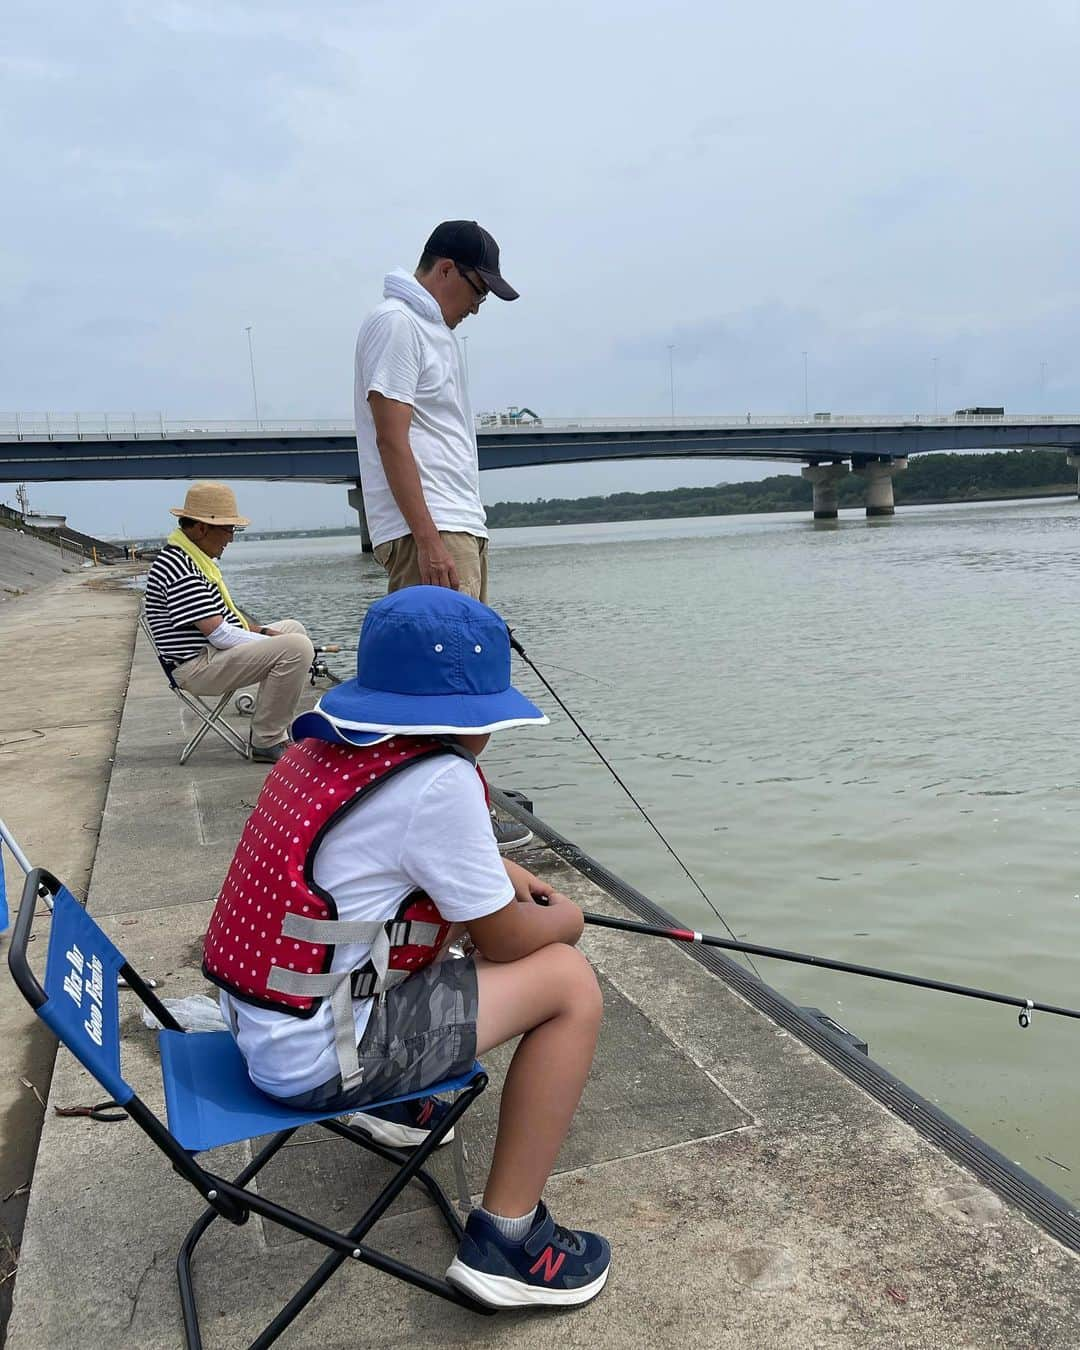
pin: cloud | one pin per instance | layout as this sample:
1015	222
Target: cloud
874	187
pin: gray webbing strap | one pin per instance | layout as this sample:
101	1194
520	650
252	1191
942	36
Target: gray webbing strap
364	985
298	982
379	956
328	930
345	1035
414	932
338	986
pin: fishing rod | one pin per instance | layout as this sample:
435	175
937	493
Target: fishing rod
612	770
1027	1006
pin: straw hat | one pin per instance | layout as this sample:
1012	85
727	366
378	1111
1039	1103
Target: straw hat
212	503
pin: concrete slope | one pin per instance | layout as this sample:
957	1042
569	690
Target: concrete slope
27	563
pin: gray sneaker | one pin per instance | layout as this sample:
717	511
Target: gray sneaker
509	834
269	754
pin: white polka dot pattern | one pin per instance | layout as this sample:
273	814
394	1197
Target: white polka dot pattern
266	880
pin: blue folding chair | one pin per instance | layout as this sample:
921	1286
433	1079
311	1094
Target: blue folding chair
210	1102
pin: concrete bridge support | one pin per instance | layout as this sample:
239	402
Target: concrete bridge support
1073	461
825	478
878	476
356	501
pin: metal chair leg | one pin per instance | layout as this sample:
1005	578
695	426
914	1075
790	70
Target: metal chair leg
212	720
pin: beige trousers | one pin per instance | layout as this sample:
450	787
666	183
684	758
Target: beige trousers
278	665
467	550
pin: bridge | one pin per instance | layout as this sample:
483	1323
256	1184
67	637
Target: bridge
49	448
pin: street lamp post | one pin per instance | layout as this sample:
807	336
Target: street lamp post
671	375
805	389
935	365
254	390
1042	386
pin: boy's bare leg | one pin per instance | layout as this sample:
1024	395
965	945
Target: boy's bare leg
552	1000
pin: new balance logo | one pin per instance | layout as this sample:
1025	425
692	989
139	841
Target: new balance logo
550	1262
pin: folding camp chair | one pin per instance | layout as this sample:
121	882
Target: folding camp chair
210	1102
212	719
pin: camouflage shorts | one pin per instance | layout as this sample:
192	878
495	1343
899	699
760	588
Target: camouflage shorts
423	1031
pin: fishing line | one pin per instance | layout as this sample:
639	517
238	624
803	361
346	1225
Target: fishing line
611	769
1027	1006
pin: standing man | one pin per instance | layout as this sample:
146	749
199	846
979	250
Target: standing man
415	433
414	424
208	644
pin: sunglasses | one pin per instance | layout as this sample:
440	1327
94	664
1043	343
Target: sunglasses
483	294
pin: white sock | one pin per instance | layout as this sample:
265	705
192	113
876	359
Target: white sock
513	1230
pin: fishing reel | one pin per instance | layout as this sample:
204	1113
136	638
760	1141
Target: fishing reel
245	703
319	669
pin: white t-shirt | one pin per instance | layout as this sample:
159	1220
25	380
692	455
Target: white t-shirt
405	351
426	828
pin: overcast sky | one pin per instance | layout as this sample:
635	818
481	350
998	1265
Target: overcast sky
874	185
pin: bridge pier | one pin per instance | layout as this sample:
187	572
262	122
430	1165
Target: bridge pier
826	479
356	501
878	475
1073	461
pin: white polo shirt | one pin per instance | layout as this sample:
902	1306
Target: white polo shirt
405	351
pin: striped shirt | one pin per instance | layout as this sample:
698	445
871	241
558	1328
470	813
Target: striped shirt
177	596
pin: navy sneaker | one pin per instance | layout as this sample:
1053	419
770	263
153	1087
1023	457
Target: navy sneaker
550	1267
404	1125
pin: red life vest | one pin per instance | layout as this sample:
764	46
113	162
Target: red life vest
273	932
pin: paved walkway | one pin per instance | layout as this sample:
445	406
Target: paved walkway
66	656
754	1197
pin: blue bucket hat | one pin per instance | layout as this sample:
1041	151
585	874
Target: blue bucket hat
430	661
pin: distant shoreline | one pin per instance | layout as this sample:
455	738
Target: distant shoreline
947	479
1031	494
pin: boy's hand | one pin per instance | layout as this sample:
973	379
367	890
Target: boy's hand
567	915
527	886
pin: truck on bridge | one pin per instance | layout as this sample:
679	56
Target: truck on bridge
513	417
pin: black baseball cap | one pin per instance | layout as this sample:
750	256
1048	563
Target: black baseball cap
468	244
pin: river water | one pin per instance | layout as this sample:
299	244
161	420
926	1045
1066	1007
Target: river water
860	738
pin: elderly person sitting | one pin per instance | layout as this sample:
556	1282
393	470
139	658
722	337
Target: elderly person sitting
208	644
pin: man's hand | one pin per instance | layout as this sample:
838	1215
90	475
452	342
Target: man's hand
269	632
435	564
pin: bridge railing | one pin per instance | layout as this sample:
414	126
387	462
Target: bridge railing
152	426
155	426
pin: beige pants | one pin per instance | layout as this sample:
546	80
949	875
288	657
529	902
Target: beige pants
467	550
278	665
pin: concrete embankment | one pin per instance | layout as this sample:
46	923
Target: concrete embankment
27	563
754	1196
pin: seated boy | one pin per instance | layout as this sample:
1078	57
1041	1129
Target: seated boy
371	838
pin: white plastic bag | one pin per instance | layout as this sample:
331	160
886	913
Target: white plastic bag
196	1013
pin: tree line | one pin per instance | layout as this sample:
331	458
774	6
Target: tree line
928	478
